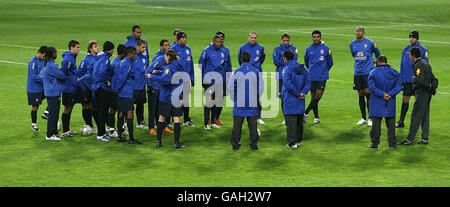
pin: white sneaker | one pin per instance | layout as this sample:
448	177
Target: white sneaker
362	121
316	120
72	132
94	131
260	121
66	134
188	124
305	118
53	138
139	126
259	132
283	123
114	134
295	146
369	122
125	133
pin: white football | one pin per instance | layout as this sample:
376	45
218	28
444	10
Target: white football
85	130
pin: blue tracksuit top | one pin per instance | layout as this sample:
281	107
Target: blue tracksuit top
165	81
406	65
140	65
132	42
158	64
213	59
278	57
35	74
85	82
383	79
295	81
123	79
102	72
186	61
69	68
53	79
86	65
362	51
159	53
257	54
245	87
318	60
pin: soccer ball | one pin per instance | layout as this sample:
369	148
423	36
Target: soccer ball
58	126
85	130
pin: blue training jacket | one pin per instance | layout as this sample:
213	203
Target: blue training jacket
245	87
159	53
86	65
186	61
318	60
53	79
132	42
102	72
123	79
214	59
383	79
278	57
165	81
69	68
35	74
158	64
362	51
295	81
257	54
406	65
140	65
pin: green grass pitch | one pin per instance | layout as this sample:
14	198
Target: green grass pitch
333	152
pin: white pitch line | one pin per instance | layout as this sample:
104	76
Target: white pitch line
11	62
28	47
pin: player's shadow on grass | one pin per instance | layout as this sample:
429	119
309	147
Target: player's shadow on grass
352	135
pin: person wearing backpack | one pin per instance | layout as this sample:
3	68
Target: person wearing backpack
424	89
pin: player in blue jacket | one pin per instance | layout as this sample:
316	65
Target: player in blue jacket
226	73
136	33
53	79
318	60
278	60
175	33
170	87
245	86
102	81
35	85
212	63
406	74
385	84
362	50
123	85
164	45
140	65
296	84
115	63
70	89
258	55
185	59
156	68
85	70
